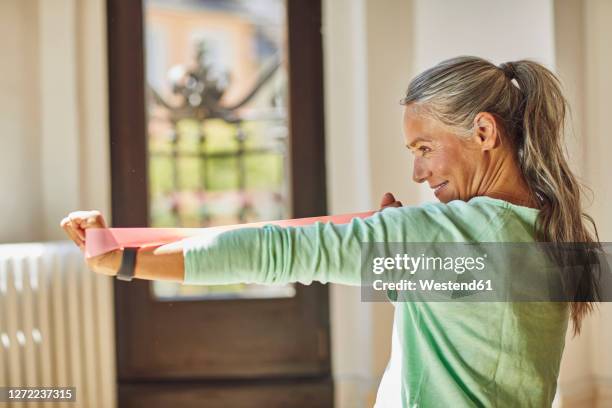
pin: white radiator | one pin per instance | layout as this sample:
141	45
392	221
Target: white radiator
56	324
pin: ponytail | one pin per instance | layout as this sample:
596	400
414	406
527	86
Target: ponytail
541	118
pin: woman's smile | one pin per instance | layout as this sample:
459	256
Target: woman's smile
439	187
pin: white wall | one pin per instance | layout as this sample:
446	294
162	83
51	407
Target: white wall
497	30
348	185
598	110
19	122
53	122
584	59
389	31
575	380
54	126
494	29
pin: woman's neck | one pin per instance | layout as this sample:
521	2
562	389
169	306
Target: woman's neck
506	182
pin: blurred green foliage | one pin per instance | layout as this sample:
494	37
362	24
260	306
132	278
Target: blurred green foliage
264	170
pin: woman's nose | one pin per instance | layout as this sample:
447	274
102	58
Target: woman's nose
420	173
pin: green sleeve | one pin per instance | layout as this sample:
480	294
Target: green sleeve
323	252
327	252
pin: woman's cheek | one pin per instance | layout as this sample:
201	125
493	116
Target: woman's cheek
441	166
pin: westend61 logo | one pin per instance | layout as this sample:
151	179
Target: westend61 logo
412	264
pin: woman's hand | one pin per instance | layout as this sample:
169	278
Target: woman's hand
75	224
389	200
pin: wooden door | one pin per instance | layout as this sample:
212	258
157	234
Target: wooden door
242	352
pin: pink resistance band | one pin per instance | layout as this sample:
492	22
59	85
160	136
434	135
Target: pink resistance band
101	240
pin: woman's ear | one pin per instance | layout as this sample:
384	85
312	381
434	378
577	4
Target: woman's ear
486	132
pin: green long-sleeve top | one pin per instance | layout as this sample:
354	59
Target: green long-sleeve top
461	354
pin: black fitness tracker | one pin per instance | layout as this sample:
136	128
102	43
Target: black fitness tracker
128	263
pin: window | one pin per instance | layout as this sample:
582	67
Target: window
217	122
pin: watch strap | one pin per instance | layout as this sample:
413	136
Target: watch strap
128	264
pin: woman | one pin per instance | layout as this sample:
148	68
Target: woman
488	141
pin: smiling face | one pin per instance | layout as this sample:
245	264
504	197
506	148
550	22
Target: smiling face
452	165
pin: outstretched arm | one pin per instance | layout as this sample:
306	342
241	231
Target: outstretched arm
323	252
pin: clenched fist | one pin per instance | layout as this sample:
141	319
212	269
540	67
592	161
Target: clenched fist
75	224
389	200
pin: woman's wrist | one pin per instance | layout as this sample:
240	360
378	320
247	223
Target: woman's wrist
166	265
107	263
